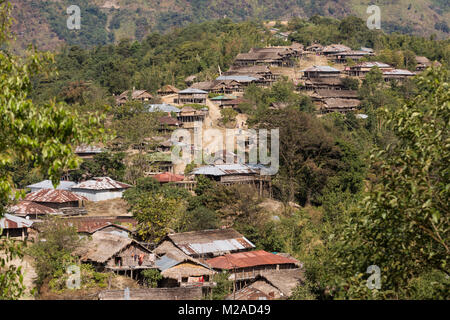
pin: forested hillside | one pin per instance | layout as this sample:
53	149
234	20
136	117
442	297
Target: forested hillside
104	21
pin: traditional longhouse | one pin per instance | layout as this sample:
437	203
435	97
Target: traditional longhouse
107	251
47	184
14	227
135	95
98	189
208	243
167	90
245	266
56	199
32	210
361	69
191	95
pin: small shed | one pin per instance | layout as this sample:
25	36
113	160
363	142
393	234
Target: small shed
101	188
14	227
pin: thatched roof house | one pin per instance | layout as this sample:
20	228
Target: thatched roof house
135	95
179	269
116	253
168	89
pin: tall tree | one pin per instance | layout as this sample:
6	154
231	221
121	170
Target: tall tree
43	136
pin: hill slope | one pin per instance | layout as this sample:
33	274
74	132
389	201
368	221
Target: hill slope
43	22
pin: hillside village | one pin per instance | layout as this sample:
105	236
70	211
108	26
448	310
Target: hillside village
188	262
167	151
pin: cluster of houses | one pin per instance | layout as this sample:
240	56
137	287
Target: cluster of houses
189	261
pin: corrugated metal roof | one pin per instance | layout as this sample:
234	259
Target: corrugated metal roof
320	69
164	107
54	196
237	78
29	207
165	263
192	90
13	222
399	72
225	169
47	184
373	64
248	259
210	241
101	183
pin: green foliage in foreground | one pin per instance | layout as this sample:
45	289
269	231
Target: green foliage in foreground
42	136
402	223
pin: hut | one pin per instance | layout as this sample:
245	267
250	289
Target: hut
106	251
99	189
167	90
339	105
14	227
135	95
424	62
